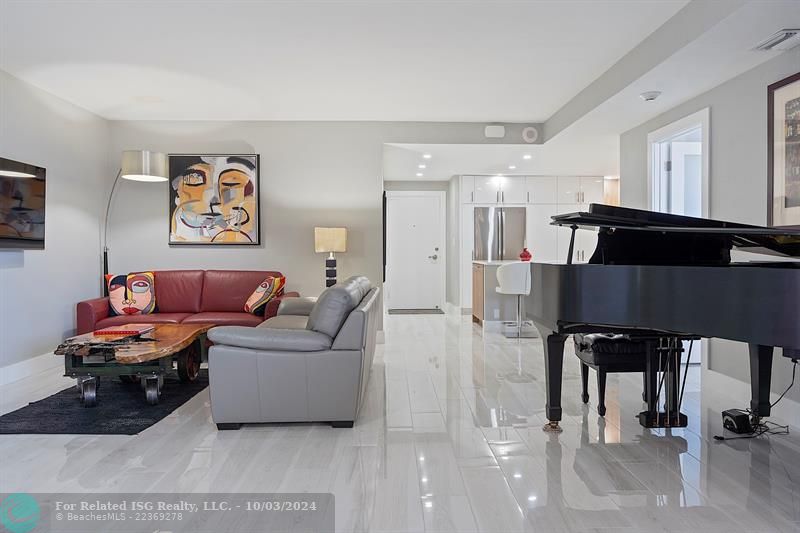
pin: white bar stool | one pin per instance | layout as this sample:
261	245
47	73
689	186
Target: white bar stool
515	279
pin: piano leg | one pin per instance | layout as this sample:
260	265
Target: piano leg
760	379
553	367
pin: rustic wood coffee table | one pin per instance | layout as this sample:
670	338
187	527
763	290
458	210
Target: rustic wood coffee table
144	358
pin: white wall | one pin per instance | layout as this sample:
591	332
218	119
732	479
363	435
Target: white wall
738	180
312	173
454	241
39	288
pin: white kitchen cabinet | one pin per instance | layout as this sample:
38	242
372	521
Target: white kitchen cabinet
513	190
592	190
487	190
542	237
569	190
467	189
542	190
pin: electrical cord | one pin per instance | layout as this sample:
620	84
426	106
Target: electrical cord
766	427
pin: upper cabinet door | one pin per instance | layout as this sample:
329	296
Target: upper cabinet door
569	190
467	189
592	190
487	190
542	190
513	190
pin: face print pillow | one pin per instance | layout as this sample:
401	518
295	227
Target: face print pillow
133	294
266	291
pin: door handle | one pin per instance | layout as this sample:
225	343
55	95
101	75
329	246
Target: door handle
497	197
434	257
471	197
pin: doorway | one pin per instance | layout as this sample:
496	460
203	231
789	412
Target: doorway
678	167
678	178
415	250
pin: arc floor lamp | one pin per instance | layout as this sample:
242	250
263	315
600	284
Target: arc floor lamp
137	165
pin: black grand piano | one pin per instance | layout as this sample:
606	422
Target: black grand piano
666	277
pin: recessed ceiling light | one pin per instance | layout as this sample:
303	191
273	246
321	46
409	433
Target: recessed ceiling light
423	166
419	174
426	156
531	498
512	167
526	156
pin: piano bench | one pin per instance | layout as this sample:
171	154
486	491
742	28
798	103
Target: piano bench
605	352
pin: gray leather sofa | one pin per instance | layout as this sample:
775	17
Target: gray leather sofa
310	363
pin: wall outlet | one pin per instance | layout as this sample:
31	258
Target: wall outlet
496	313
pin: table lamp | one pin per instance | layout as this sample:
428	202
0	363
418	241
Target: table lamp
330	240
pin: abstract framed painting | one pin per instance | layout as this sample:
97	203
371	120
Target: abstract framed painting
214	199
783	152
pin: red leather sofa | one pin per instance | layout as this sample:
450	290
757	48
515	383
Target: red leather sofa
190	296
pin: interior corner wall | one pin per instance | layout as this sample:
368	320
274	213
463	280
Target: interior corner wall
39	288
738	179
454	242
312	174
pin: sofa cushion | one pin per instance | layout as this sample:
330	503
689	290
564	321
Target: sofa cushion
335	304
179	291
132	294
224	318
266	291
286	322
155	318
228	290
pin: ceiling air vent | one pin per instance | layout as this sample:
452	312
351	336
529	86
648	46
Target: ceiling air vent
780	40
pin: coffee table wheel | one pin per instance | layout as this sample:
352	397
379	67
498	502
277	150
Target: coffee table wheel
126	378
189	364
89	392
152	389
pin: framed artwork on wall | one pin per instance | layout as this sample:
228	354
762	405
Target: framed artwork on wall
214	199
783	152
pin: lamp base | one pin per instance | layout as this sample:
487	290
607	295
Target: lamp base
330	271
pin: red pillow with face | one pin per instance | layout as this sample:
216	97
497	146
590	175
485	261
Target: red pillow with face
133	294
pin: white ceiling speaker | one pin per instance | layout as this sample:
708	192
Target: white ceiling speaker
494	132
530	134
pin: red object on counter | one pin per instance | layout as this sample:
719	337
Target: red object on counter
525	255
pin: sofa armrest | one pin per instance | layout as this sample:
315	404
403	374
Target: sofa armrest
272	306
90	312
297	306
269	339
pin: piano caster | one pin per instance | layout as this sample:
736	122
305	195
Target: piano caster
649	419
552	427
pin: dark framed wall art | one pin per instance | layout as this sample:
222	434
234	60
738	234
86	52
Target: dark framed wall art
783	152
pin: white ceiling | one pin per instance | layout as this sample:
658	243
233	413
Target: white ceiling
515	61
566	155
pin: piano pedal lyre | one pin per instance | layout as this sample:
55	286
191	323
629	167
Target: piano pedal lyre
552	427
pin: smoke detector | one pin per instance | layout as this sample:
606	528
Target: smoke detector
649	96
782	40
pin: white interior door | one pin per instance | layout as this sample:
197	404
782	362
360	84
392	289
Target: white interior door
415	249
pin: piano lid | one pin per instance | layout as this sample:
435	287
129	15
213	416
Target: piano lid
776	241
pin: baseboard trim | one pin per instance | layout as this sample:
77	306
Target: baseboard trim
451	309
29	367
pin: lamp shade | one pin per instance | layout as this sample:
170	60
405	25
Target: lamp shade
330	240
143	165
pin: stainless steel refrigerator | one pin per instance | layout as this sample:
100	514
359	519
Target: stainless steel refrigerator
499	233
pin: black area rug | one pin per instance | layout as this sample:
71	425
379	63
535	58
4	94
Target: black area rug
121	409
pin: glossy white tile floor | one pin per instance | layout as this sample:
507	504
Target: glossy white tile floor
449	439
